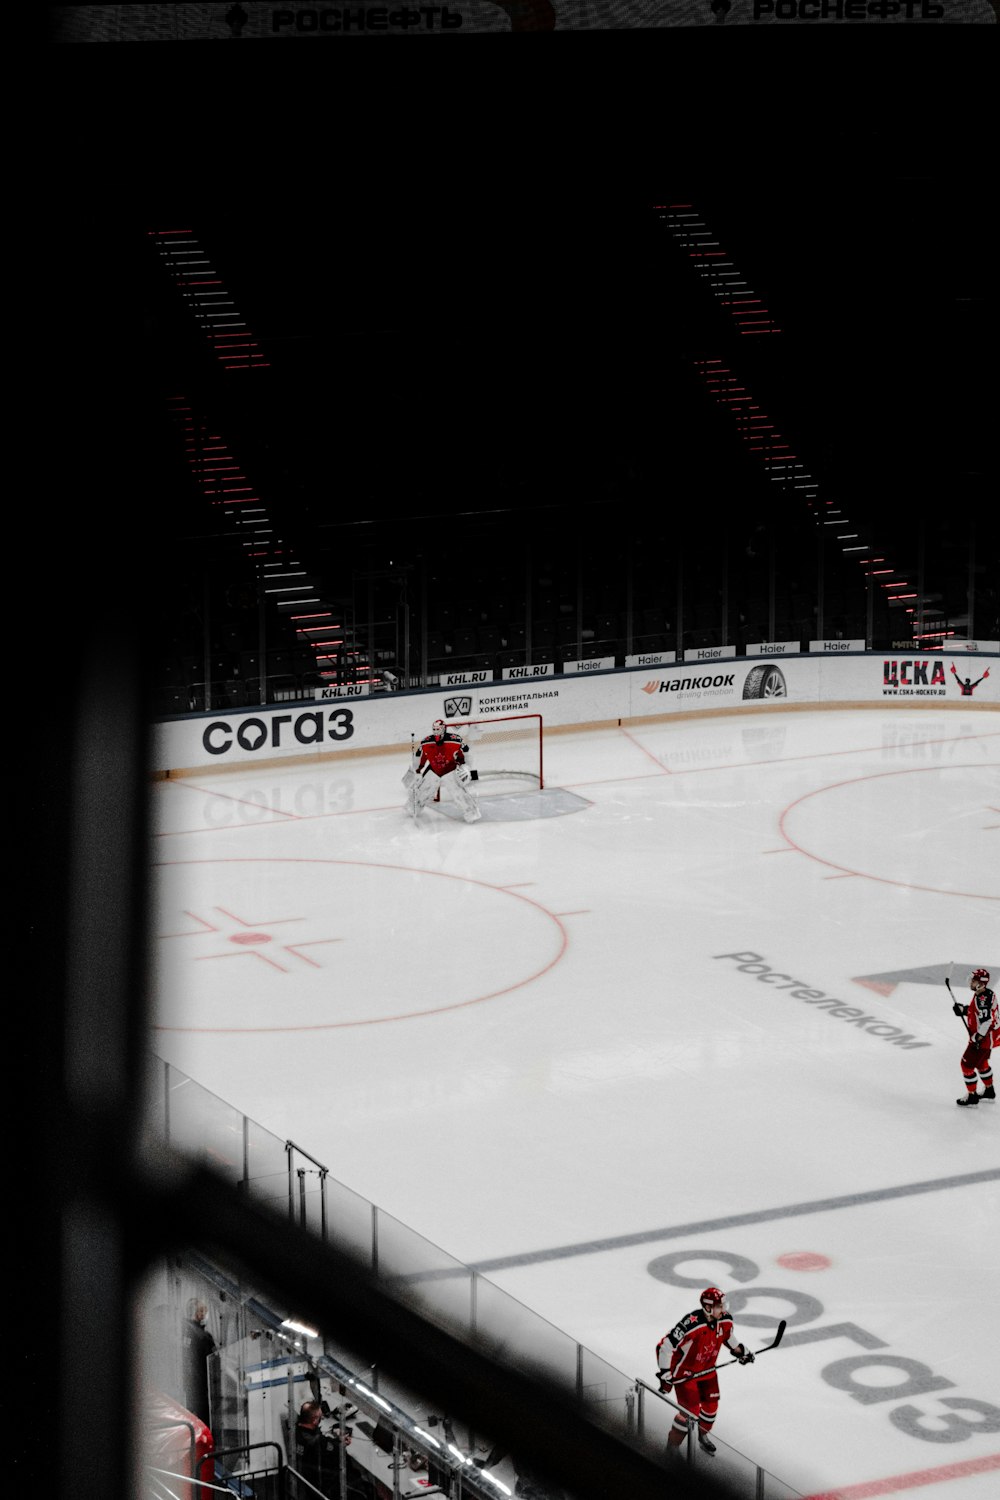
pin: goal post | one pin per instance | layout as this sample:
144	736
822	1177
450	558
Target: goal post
506	748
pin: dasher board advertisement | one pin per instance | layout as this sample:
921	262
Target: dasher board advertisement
307	728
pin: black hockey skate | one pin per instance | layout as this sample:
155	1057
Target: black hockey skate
705	1443
969	1099
989	1092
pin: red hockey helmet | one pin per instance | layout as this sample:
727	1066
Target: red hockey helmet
713	1296
977	974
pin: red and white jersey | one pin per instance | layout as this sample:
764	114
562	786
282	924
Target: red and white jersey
983	1017
441	755
695	1343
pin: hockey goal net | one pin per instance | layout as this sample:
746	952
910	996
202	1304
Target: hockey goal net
504	749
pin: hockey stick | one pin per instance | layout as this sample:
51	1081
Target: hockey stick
413	752
952	994
700	1374
413	809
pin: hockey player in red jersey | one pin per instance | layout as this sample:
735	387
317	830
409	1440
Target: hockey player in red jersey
695	1343
982	1021
441	755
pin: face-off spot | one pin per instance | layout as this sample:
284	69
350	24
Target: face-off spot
320	960
804	1260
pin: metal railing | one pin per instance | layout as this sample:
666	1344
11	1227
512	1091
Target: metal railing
457	1299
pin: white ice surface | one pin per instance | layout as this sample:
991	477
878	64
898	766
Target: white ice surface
521	1039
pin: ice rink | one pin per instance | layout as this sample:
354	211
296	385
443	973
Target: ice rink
691	1029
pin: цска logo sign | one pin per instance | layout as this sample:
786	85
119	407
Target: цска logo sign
911	677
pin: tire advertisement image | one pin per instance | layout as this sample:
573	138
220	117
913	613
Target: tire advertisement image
765	681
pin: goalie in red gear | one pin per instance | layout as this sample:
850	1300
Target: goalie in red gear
982	1022
440	757
695	1343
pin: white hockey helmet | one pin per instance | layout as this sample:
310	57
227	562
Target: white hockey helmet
438	728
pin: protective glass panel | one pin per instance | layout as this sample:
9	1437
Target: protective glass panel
267	1168
523	1340
203	1127
424	1276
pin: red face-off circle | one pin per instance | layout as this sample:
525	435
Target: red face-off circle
314	944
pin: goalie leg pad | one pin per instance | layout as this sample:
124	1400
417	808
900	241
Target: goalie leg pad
466	800
426	789
421	793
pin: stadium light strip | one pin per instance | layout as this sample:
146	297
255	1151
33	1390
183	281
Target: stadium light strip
680	220
234	347
182	255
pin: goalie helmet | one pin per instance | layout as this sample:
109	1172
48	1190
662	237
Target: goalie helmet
983	974
438	728
712	1295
